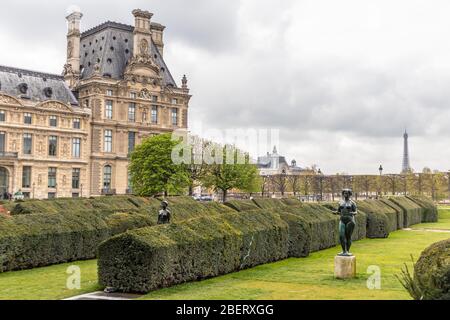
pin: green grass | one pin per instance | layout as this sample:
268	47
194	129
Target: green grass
302	278
47	283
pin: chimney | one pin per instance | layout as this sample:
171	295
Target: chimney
72	67
158	36
142	32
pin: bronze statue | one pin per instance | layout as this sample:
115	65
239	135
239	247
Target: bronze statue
347	211
164	213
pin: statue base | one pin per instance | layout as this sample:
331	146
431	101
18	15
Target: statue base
344	267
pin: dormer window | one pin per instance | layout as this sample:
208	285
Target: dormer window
23	88
48	92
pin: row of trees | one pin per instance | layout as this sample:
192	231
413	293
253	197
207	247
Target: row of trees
433	184
163	165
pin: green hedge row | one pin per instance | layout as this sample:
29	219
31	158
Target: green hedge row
40	239
430	212
150	258
412	212
33	240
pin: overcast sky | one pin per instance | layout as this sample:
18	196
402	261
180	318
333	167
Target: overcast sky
341	80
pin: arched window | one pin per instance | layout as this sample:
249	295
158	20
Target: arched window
107	171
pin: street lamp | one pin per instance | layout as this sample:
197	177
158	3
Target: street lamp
321	184
380	169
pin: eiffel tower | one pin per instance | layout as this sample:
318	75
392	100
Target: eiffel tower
406	167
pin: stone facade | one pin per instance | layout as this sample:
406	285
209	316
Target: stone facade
124	92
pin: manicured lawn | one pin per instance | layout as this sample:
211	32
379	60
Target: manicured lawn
303	278
47	283
444	221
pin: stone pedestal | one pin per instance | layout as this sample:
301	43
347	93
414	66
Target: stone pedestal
344	267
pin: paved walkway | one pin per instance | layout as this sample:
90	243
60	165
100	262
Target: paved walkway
100	295
427	229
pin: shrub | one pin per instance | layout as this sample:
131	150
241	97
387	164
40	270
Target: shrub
381	219
431	274
430	212
40	239
412	212
149	258
241	205
398	209
268	203
33	240
291	201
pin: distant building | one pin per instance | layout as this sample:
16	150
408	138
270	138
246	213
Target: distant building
406	166
273	164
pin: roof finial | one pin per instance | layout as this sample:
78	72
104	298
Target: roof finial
274	150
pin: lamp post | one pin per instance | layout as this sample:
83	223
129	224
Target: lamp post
81	190
321	184
380	169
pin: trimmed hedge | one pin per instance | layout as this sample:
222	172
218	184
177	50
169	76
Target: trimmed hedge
381	218
412	212
150	258
398	209
31	240
430	212
432	272
241	205
268	203
34	240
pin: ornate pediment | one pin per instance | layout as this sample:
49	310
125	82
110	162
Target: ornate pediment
142	68
55	106
9	100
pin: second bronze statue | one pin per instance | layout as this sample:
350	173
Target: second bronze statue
347	211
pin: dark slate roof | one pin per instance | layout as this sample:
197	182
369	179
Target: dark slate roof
37	83
111	45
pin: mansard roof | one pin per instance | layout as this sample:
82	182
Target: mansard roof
110	44
36	86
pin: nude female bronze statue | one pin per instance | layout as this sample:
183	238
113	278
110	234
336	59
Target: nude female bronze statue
164	213
347	211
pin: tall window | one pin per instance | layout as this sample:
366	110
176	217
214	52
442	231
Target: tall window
129	182
174	101
133	95
27	118
131	141
27	143
75	178
109	109
174	116
108	141
2	116
132	112
76	123
2	141
155	114
155	98
53	121
109	93
76	146
107	177
52	145
52	177
26	177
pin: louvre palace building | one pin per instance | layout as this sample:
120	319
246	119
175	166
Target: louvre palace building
71	135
